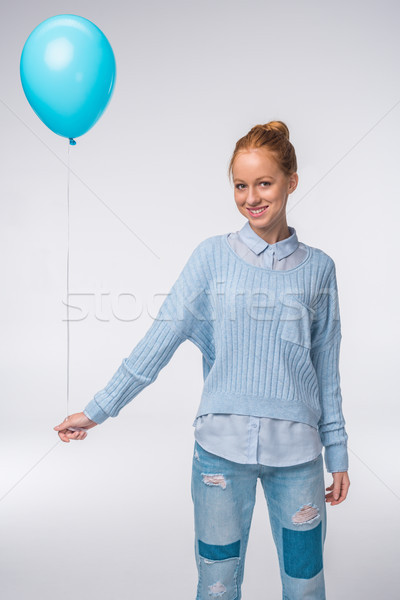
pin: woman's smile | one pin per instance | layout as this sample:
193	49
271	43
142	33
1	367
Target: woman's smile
257	212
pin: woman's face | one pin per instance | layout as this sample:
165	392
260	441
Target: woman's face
260	184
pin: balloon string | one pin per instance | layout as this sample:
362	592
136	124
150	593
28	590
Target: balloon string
68	171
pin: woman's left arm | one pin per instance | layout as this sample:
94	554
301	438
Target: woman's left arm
325	352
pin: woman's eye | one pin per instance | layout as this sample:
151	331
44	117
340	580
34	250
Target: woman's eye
240	186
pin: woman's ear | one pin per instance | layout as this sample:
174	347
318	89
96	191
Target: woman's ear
293	181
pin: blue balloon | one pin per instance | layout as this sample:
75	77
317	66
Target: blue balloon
68	72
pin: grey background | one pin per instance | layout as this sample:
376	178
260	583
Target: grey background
111	517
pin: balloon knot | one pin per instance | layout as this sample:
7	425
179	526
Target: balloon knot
72	141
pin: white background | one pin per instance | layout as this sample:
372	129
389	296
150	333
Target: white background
111	517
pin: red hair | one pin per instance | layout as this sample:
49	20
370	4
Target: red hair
274	137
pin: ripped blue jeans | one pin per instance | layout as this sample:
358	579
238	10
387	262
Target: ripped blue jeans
224	493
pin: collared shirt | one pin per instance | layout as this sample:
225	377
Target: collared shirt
260	440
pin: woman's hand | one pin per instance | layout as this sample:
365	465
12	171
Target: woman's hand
339	488
74	427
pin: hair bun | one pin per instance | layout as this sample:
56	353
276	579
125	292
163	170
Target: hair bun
274	137
277	126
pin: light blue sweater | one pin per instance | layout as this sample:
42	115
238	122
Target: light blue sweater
270	343
260	440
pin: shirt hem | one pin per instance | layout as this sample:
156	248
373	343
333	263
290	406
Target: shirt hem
225	457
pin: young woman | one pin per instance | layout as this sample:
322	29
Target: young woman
263	309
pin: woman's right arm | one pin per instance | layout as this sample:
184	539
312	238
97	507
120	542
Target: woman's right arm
136	372
183	315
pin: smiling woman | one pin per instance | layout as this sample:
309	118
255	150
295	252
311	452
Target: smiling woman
262	307
264	174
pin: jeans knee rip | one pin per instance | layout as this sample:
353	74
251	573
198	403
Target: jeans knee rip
307	513
216	479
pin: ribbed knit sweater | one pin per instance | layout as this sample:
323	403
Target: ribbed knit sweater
270	344
261	440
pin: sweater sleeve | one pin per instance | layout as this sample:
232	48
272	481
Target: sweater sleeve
182	315
325	354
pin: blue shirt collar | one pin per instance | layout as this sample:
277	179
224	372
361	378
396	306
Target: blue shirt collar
283	248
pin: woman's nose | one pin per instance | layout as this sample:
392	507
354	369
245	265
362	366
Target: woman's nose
252	196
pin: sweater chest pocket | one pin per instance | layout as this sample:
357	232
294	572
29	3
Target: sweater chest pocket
296	319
